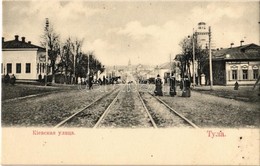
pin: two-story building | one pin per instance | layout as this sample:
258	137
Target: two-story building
239	64
23	59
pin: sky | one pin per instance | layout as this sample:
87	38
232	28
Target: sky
145	32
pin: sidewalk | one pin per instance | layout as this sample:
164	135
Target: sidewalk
244	93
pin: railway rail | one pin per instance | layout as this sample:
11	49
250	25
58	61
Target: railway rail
76	114
173	111
85	116
150	120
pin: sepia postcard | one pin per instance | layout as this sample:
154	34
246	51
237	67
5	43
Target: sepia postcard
90	82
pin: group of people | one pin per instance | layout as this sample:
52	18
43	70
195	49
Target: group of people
9	79
185	86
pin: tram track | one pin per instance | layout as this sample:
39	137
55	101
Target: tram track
127	110
159	114
88	113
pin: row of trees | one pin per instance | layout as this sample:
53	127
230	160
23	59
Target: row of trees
185	59
67	58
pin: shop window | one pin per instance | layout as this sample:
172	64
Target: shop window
234	74
18	67
9	68
245	74
255	74
28	68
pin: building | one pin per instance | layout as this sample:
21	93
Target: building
239	64
202	34
23	59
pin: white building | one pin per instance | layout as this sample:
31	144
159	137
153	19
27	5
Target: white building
23	59
202	34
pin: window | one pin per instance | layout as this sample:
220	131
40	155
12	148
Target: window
255	74
2	68
245	74
28	68
9	68
234	74
18	67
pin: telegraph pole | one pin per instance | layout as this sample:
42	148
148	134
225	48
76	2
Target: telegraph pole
210	61
193	56
46	57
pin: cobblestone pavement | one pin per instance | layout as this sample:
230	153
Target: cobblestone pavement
207	110
127	112
204	110
49	110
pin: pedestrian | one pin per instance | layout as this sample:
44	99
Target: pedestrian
172	86
236	86
90	82
7	79
12	79
186	87
158	86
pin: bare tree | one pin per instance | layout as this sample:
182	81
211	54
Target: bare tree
53	44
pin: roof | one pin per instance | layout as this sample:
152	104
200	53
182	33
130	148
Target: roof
245	52
19	44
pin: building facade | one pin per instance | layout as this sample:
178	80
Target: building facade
23	59
238	64
202	35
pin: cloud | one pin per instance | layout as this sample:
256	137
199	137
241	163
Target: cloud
215	11
68	19
135	30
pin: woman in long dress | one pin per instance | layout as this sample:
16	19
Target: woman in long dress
158	86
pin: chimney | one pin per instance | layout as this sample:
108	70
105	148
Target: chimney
16	38
231	44
242	41
29	42
23	39
3	39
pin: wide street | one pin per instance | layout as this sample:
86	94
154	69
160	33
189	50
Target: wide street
127	110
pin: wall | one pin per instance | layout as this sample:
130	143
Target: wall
23	57
239	66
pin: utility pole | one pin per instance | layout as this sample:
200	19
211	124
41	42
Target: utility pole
193	56
170	65
74	62
88	67
210	61
46	57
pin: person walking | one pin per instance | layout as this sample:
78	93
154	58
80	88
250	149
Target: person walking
12	79
172	86
90	82
158	86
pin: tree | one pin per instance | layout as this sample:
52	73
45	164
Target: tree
53	45
186	57
66	62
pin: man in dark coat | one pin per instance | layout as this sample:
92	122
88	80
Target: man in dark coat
12	79
158	86
186	87
90	82
7	78
172	86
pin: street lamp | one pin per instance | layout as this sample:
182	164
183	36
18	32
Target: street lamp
46	57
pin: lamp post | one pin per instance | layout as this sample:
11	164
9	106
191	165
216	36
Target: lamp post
46	57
